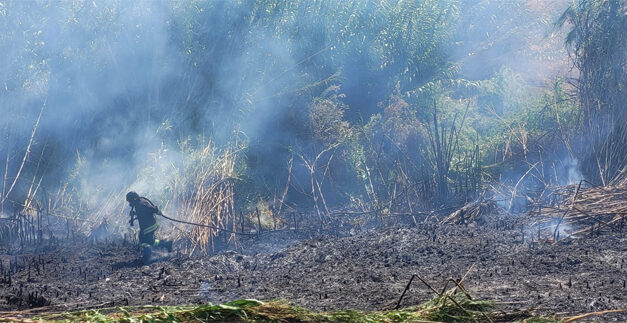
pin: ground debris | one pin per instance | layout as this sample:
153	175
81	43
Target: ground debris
367	271
479	211
575	209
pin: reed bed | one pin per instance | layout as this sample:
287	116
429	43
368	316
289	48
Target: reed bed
583	209
197	186
202	192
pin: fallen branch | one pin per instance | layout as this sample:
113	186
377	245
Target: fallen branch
583	316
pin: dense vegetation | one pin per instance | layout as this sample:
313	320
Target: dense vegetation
395	106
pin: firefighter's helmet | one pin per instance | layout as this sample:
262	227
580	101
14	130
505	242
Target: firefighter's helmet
132	197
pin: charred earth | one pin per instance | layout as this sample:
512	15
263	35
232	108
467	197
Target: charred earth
360	270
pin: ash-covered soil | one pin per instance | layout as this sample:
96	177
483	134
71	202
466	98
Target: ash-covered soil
367	270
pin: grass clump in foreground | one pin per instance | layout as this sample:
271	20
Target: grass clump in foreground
439	309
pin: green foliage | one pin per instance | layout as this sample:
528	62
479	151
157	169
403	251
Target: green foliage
442	309
326	117
255	311
550	114
598	45
279	311
331	101
389	151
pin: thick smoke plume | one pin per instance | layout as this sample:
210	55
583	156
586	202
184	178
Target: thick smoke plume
128	90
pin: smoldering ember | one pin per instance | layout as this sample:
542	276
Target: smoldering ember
313	161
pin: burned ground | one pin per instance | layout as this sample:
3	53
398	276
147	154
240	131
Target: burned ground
365	270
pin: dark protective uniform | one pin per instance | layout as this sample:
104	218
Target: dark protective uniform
146	214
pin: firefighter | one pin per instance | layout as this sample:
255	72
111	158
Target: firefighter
146	213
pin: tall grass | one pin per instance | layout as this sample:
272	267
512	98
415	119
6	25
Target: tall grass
202	192
193	184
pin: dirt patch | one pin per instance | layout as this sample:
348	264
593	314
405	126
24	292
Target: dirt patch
367	270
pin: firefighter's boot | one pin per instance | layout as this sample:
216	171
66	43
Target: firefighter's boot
146	254
167	245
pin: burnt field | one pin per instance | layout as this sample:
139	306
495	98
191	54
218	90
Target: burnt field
361	270
313	160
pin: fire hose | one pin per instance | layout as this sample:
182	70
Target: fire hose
206	225
191	223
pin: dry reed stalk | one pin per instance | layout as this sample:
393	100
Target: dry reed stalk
4	182
203	193
6	194
201	190
603	206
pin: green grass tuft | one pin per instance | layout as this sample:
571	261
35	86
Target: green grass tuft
440	309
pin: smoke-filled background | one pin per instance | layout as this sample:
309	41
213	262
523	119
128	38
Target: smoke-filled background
304	105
